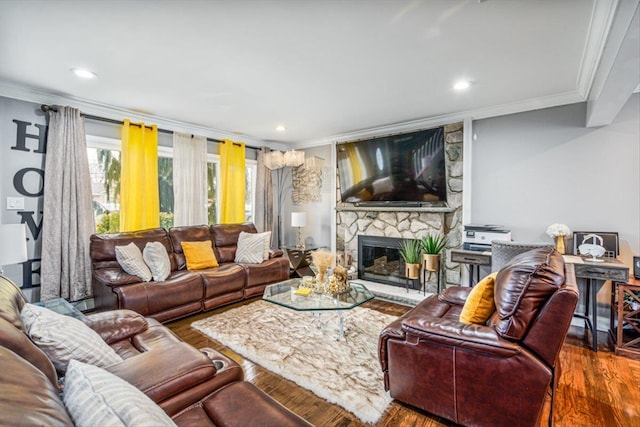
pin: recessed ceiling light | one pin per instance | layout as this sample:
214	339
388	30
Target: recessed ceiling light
462	85
280	128
84	73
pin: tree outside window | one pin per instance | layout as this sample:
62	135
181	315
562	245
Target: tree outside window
105	166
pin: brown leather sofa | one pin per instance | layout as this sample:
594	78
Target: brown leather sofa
184	292
195	387
493	374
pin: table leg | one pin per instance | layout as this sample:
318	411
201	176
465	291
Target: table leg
619	337
594	314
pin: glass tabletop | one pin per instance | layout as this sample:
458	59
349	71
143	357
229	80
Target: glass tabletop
62	306
284	293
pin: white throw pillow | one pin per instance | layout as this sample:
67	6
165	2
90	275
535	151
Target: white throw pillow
130	259
267	245
63	338
250	248
95	397
156	257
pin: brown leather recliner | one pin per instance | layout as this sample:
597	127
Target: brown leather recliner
493	374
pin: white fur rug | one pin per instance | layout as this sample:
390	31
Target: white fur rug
303	348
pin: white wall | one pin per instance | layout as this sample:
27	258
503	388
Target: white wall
541	167
320	215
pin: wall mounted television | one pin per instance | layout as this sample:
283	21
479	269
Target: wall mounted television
402	169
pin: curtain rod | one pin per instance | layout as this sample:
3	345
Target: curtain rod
47	108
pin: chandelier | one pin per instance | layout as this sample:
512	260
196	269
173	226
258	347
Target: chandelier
277	159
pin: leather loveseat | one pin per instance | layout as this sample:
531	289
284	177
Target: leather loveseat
184	292
194	387
493	374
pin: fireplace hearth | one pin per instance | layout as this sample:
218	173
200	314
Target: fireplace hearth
379	260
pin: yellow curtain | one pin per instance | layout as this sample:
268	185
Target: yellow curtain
232	185
139	197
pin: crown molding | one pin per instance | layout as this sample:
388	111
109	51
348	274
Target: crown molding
30	94
601	19
476	114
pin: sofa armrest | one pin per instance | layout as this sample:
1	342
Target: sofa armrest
275	253
479	338
114	277
117	325
164	372
455	295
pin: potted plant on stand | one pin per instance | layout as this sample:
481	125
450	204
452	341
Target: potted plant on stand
411	253
432	245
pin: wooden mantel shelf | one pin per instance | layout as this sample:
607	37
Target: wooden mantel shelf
429	209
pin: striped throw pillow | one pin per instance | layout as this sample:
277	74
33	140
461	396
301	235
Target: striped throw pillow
63	338
250	249
95	397
130	259
156	257
267	245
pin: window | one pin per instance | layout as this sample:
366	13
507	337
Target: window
213	177
104	168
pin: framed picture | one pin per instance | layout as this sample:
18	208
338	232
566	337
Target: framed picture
609	241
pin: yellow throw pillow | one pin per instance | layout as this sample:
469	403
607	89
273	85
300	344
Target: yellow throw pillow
199	255
479	304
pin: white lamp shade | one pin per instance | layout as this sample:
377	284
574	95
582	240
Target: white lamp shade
274	160
298	219
13	244
293	158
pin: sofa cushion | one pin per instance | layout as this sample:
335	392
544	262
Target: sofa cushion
522	287
225	237
117	325
63	338
250	249
187	233
28	397
479	304
17	341
130	259
156	257
95	397
199	255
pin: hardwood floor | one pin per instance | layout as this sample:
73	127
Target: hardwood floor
595	389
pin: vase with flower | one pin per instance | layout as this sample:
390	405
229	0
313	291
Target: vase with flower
558	233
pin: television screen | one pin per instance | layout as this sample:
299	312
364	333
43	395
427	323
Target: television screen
408	167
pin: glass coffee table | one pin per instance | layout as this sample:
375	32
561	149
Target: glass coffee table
284	294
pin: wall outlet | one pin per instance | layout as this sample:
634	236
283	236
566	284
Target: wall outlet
15	203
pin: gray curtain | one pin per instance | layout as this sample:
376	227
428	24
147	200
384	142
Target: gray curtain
67	222
264	198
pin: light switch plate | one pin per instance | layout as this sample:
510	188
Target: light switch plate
15	203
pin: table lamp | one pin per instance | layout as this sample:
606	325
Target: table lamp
13	244
299	219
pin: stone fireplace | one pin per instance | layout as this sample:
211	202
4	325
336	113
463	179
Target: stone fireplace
411	222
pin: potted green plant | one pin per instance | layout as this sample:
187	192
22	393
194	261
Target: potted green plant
411	253
432	245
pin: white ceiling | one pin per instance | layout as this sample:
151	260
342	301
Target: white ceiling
321	68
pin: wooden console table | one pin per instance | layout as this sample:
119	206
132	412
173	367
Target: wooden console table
595	274
625	321
473	259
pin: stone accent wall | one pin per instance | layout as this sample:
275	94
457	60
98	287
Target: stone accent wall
414	222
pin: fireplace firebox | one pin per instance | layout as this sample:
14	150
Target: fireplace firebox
379	260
